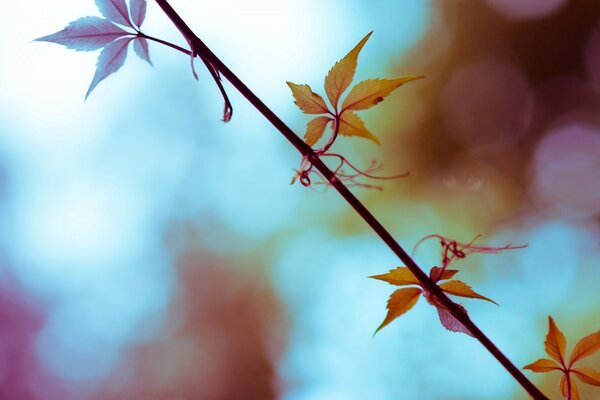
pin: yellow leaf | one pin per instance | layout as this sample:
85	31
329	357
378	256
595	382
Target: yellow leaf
368	93
542	365
436	273
340	76
587	375
400	302
315	129
307	100
586	347
556	342
352	125
400	276
564	388
459	288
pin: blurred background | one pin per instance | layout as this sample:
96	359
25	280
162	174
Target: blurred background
150	251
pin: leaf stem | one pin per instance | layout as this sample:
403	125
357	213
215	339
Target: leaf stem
164	42
201	49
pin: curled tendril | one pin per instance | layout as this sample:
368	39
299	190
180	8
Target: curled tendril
453	250
343	170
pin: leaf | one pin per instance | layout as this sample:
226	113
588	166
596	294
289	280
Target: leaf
140	46
352	125
340	76
400	276
542	365
400	302
459	288
436	273
585	347
555	342
449	322
564	388
315	129
138	11
307	100
371	92
86	34
110	60
587	375
114	10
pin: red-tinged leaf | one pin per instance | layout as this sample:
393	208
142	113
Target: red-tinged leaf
555	343
587	346
451	323
436	273
570	391
459	288
400	302
315	129
307	100
114	10
371	92
542	365
86	34
138	11
352	125
400	276
340	76
111	59
140	46
587	375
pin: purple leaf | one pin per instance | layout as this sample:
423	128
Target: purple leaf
138	11
110	60
451	323
140	46
114	10
86	34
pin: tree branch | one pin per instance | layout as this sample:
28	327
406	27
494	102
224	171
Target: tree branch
205	53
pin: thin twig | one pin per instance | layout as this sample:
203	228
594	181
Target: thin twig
201	49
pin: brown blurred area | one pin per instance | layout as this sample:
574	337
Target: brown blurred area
494	85
222	341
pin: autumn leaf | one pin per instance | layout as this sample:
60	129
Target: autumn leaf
542	365
555	345
556	342
399	303
400	276
352	125
315	129
459	288
307	100
437	273
340	76
371	92
86	34
585	347
449	322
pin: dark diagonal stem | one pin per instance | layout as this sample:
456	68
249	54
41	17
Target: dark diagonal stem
205	53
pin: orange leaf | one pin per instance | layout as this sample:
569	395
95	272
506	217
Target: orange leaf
542	365
307	100
340	76
436	274
352	125
400	276
371	92
315	129
564	388
459	288
400	302
587	375
586	347
555	342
